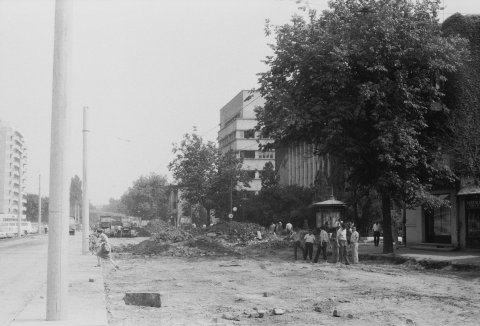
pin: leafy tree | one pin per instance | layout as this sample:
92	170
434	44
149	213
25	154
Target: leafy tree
269	176
147	198
115	206
463	96
360	82
75	193
32	208
205	176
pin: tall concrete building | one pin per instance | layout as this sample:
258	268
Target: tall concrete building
237	123
13	159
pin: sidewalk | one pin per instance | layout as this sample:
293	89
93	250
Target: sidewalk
86	298
461	260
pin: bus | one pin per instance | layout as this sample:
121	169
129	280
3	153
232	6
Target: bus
9	226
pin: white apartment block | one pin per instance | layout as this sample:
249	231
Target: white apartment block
13	159
237	123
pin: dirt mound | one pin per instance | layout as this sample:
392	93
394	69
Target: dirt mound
162	231
237	232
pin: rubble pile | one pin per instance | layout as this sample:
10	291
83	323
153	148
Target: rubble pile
164	232
227	238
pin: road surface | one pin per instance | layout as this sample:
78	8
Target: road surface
23	272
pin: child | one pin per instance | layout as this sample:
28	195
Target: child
104	249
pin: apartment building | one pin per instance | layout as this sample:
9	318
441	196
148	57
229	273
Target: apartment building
13	159
237	123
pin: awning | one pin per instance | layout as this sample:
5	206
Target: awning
330	202
469	190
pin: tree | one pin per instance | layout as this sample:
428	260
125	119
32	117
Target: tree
147	198
269	177
32	208
75	194
360	81
115	206
205	176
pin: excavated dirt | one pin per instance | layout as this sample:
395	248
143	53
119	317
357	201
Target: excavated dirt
213	281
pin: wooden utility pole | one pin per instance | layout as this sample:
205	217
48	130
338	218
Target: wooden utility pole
85	199
39	204
57	282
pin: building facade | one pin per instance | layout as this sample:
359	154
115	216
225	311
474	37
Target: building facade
237	133
297	164
13	162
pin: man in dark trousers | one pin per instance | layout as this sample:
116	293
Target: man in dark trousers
297	242
323	242
309	241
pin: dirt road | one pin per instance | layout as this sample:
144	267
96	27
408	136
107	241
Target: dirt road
231	291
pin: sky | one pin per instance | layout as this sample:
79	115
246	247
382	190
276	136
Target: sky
149	70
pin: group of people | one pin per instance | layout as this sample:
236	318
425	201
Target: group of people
100	246
278	228
339	240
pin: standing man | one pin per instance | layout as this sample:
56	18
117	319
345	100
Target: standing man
322	245
334	244
342	243
289	228
376	234
297	243
309	240
354	243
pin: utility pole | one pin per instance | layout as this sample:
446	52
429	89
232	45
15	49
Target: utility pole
20	197
85	199
39	204
57	282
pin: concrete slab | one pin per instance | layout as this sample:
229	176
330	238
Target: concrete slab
86	305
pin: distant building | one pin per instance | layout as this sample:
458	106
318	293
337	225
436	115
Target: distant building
13	159
237	123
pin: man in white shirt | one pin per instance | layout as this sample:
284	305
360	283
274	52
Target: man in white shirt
342	244
354	243
322	245
309	240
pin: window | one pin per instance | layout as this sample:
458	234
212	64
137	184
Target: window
247	154
266	155
247	134
251	174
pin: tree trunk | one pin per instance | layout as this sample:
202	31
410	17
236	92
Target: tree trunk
387	225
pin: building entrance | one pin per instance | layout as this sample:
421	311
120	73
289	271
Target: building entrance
472	219
438	223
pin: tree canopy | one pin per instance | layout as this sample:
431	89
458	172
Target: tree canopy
362	82
147	198
205	176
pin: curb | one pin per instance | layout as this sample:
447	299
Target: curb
426	263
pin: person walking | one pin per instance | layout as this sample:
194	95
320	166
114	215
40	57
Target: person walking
309	241
354	244
104	249
322	245
342	243
376	234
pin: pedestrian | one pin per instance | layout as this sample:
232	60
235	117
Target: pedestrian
354	244
104	251
309	241
279	228
271	228
289	228
297	243
334	244
322	245
342	244
376	234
